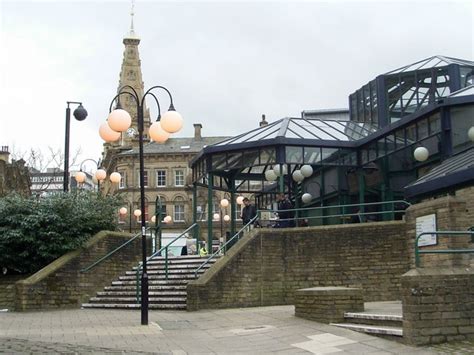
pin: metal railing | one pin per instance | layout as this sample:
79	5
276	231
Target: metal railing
157	253
441	251
258	219
105	257
236	236
344	215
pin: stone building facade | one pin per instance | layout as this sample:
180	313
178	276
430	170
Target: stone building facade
167	174
14	176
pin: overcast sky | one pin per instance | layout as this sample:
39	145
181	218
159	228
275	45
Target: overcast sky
226	63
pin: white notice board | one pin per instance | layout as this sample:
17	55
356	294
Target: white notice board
426	224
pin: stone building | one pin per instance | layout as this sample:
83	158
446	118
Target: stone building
14	176
167	174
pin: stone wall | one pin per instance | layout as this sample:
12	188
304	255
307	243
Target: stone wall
61	284
438	305
452	214
268	265
7	290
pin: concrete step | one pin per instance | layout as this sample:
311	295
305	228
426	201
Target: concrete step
172	267
392	320
162	261
164	288
133	293
134	299
189	271
372	329
134	306
153	282
151	277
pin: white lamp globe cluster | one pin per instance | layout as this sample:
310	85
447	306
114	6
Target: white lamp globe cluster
120	120
298	176
99	175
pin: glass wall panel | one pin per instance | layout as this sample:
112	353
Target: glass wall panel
381	147
250	158
312	155
422	127
435	123
373	94
294	155
234	160
467	75
330	155
462	118
267	156
411	134
390	143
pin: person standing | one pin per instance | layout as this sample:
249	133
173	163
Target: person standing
249	211
285	216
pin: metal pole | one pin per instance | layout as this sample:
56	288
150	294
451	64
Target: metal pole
144	280
196	230
210	184
66	150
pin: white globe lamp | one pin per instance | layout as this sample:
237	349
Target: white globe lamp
157	133
279	169
298	176
167	219
107	133
100	174
421	154
153	219
115	177
470	133
306	170
80	177
224	202
306	198
226	218
123	211
171	121
215	216
240	200
119	120
270	175
137	213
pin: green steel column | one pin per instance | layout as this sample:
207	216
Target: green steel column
297	189
281	180
196	230
158	210
360	174
210	184
233	206
322	193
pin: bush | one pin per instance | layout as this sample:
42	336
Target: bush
34	232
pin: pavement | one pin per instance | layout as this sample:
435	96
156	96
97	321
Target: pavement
259	330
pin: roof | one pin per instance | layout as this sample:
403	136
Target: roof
431	62
454	171
467	91
341	114
304	128
176	145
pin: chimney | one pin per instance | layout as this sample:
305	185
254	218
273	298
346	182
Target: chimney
263	122
197	131
4	153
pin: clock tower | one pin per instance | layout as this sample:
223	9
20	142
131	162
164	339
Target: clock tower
131	74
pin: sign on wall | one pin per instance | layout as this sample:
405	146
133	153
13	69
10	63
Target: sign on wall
426	224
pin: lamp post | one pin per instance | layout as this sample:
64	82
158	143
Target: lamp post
79	114
100	174
119	121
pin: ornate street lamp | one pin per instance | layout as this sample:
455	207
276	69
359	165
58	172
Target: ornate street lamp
119	121
79	114
100	174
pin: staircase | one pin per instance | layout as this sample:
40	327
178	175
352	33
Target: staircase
385	321
162	293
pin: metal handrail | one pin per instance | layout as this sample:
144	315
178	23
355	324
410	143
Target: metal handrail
441	251
140	265
223	247
105	257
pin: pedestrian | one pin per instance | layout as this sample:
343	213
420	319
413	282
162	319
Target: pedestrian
249	212
285	213
203	250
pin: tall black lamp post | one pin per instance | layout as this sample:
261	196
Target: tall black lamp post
80	114
119	121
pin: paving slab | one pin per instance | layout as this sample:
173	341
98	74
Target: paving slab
259	330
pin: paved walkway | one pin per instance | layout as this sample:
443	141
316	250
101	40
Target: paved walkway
262	330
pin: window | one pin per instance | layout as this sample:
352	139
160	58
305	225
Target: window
145	178
123	180
161	178
179	210
179	178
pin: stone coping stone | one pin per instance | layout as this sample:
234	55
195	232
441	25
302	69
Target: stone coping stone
330	289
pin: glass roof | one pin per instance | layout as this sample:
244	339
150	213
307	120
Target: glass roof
301	128
432	62
469	90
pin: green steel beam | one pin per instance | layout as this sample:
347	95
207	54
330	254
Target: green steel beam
210	184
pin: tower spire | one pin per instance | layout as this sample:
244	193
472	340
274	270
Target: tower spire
131	34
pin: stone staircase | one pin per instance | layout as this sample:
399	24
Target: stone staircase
163	293
388	324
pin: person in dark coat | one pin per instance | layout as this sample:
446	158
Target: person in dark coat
285	216
248	212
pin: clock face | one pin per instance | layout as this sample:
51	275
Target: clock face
131	132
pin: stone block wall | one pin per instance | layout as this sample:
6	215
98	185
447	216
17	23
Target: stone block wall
61	284
328	304
452	214
438	305
7	290
268	265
